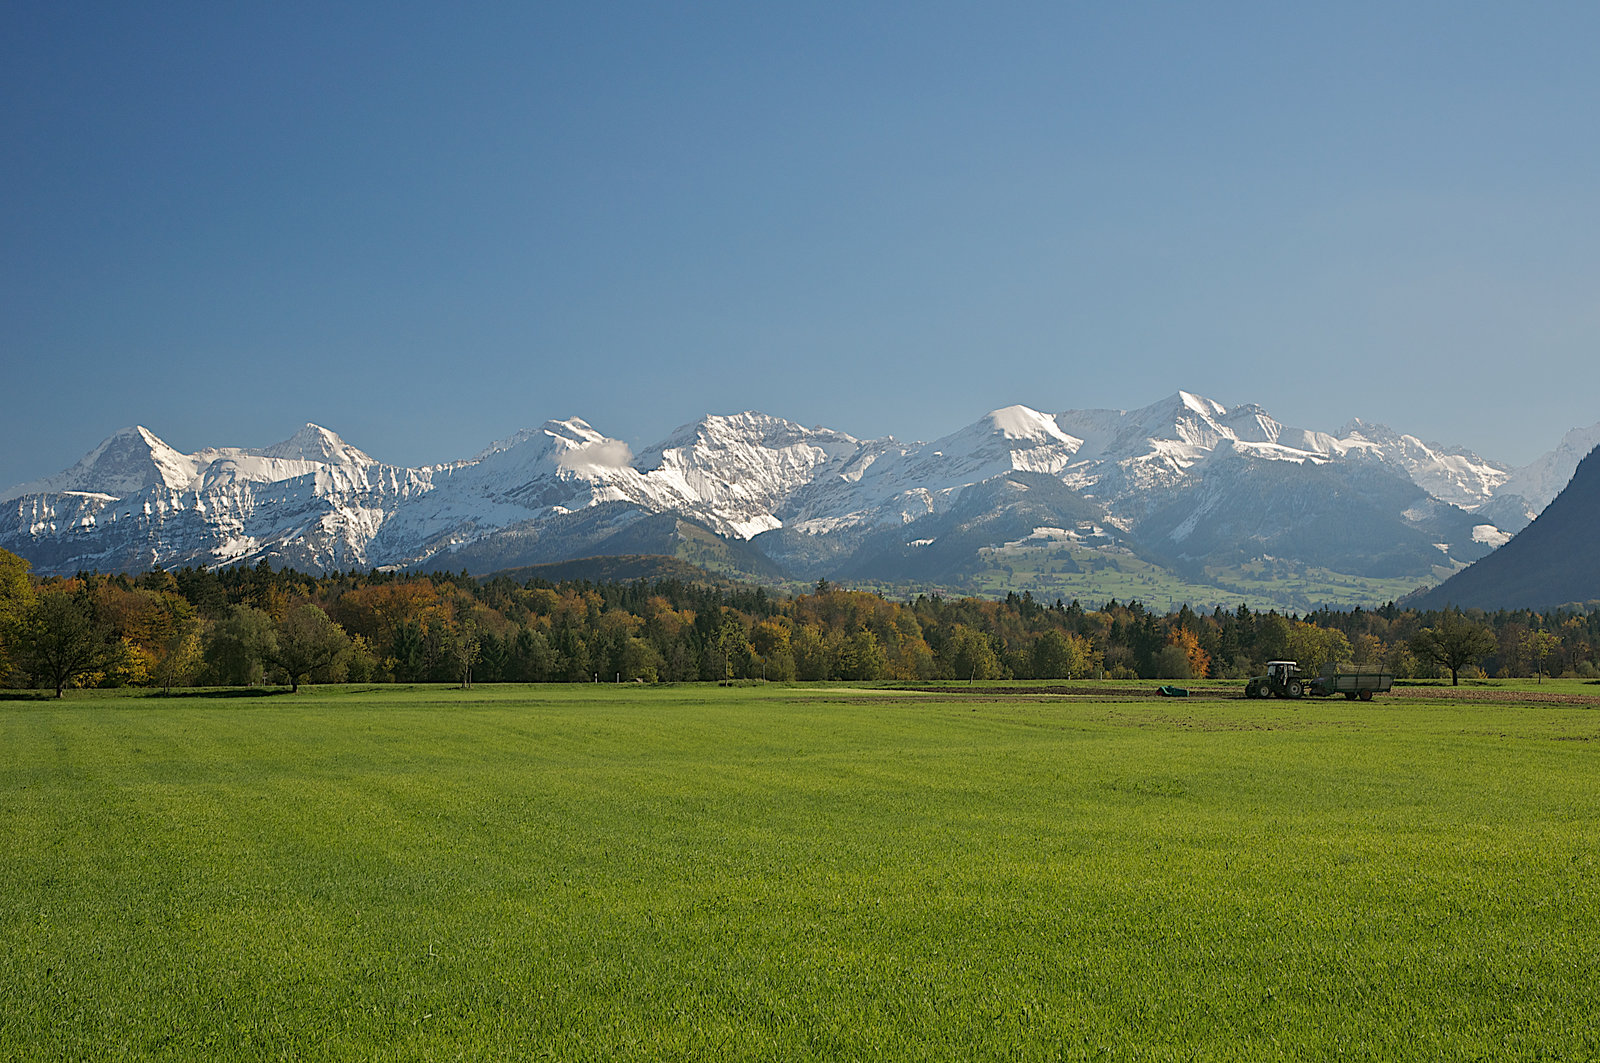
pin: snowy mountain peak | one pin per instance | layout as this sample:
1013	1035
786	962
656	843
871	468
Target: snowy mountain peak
126	461
1183	418
1250	423
315	500
1207	408
318	444
1526	491
1022	423
748	428
574	430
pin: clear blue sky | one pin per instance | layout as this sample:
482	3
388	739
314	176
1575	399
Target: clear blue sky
426	226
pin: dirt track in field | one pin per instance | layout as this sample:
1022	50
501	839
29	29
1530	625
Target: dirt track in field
1478	694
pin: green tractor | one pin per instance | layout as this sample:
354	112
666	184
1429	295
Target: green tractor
1281	681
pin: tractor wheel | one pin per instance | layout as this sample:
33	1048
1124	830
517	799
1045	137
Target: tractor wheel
1251	690
1293	688
1366	695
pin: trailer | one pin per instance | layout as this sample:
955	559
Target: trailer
1284	680
1352	685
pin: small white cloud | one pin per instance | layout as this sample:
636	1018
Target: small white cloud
603	454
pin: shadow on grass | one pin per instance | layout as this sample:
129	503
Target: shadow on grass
176	695
226	692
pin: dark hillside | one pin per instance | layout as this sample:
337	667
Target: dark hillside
1552	562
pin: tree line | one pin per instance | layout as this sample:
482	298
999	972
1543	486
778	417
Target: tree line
247	626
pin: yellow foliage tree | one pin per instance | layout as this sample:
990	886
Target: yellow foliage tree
1189	643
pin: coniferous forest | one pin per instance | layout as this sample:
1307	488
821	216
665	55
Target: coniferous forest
253	626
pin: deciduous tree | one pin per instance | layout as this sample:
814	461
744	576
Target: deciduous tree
238	646
1538	645
61	640
307	641
16	599
1454	642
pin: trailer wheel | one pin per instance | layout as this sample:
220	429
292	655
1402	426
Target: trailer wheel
1293	688
1349	695
1366	695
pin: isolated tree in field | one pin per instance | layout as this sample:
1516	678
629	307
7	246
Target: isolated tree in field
463	644
60	640
307	641
1538	645
1453	643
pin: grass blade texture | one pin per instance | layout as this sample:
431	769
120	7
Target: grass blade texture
806	873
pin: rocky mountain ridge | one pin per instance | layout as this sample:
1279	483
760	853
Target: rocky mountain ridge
1184	481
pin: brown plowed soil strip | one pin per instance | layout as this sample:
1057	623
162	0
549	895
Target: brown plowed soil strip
1470	694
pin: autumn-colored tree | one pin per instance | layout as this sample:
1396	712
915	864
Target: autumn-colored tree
1187	641
1056	655
770	638
813	656
1538	645
178	656
1367	651
969	655
861	657
16	598
378	611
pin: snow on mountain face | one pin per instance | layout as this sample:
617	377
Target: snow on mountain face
129	460
317	444
735	472
1525	492
316	501
728	472
1126	454
136	458
888	483
311	500
1451	475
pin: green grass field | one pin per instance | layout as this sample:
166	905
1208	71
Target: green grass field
807	873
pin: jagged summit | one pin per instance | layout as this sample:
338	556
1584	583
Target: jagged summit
315	443
126	461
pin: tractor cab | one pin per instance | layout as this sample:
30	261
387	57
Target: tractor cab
1280	672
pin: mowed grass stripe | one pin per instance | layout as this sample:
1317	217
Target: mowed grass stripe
805	873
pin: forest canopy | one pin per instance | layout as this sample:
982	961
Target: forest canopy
247	626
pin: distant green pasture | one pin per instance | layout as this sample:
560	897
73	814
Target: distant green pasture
1092	576
806	873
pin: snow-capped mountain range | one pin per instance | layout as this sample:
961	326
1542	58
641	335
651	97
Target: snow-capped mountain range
1185	481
